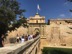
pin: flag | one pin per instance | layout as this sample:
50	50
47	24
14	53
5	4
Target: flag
38	7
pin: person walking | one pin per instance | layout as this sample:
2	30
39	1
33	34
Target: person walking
22	39
2	40
18	38
30	37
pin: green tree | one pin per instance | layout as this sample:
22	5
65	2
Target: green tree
70	9
70	0
9	9
21	22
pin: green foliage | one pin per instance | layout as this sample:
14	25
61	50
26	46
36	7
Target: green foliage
70	0
3	28
6	15
70	9
53	50
8	10
18	23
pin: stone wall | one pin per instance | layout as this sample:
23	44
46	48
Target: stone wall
66	34
61	21
59	34
28	47
20	31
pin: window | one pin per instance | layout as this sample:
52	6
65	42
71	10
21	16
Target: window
36	21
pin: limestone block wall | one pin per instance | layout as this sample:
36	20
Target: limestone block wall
44	41
48	31
20	31
52	34
66	34
60	21
59	34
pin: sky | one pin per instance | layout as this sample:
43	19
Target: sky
51	9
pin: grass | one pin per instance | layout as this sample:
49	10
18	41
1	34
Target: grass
53	50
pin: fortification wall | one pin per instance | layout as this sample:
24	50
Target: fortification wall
13	34
59	34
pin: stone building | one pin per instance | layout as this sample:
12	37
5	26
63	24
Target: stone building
36	24
55	33
60	32
61	21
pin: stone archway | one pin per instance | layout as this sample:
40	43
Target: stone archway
37	31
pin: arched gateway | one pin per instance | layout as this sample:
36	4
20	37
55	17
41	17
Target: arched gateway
37	31
36	24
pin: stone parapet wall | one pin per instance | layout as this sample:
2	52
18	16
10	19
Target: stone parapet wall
21	48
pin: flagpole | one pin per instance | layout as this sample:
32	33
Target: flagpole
37	9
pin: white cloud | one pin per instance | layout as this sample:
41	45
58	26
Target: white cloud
62	15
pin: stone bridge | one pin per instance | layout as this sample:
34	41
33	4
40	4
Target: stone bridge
28	47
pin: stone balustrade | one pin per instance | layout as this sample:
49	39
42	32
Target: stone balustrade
28	47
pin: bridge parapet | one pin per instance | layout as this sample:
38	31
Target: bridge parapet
28	47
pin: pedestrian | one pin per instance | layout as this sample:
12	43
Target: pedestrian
2	40
22	39
18	38
30	37
26	38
